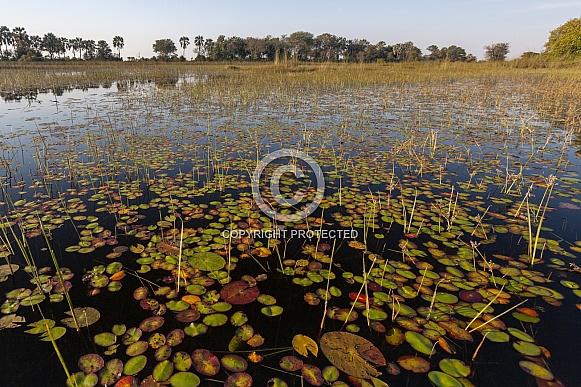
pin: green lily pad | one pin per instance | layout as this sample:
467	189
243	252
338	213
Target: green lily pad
135	365
233	363
195	329
206	261
521	335
105	339
79	379
215	320
162	371
454	367
536	370
90	363
419	342
137	348
526	348
184	379
441	379
414	363
182	361
111	372
272	311
85	316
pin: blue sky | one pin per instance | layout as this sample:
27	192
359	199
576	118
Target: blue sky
471	24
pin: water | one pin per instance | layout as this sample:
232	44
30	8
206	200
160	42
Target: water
150	146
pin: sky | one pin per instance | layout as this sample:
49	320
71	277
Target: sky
471	24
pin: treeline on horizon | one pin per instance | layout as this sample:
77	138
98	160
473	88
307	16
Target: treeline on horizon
17	45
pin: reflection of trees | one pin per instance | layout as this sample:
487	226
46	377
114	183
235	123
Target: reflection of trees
166	82
29	96
577	144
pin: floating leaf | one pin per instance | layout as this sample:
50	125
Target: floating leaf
536	370
151	323
162	371
206	261
526	348
414	363
350	353
111	372
79	379
195	329
454	367
135	365
85	316
304	344
184	379
205	362
105	339
312	375
272	311
291	363
11	321
419	342
215	320
441	379
90	363
241	379
233	363
239	293
182	361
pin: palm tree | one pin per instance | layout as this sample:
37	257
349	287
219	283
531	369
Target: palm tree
118	43
89	47
5	38
199	42
50	44
184	43
63	46
76	45
20	40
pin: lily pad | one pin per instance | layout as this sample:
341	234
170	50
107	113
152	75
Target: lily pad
105	339
184	379
241	379
162	371
205	362
150	324
206	261
304	344
239	293
414	363
135	365
351	353
441	379
91	363
85	316
536	370
419	342
454	367
233	363
111	372
80	379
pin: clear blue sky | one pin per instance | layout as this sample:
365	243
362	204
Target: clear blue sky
471	24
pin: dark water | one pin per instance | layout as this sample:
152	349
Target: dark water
108	133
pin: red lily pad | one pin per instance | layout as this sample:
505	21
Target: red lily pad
241	379
239	293
291	363
470	296
312	375
205	362
188	315
150	324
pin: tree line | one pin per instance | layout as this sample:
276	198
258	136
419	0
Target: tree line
17	44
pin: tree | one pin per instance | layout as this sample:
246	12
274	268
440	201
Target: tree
300	44
184	43
164	48
50	44
104	50
406	52
453	53
5	39
565	41
434	52
497	51
21	41
62	46
76	45
118	43
89	47
199	42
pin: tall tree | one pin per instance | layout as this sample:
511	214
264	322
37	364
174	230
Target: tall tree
89	47
50	44
497	51
164	48
300	44
104	50
199	43
184	43
118	43
5	39
406	52
77	45
21	41
565	41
